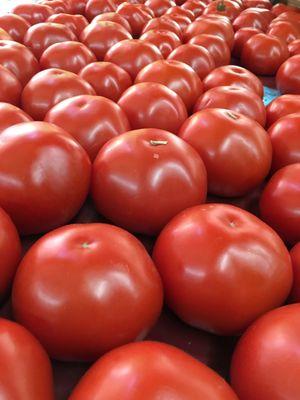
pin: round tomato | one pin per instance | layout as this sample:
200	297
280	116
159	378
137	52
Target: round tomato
291	16
113	294
159	7
281	106
258	3
295	256
11	115
164	40
136	16
288	77
113	17
76	23
285	30
77	6
15	26
294	47
251	19
163	23
11	87
177	10
281	8
152	105
96	7
223	7
208	258
240	38
216	46
196	6
4	35
33	13
58	6
181	20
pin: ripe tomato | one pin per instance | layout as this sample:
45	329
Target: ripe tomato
4	35
113	17
152	105
136	16
33	13
196	6
142	159
281	106
77	6
58	6
25	368
203	256
91	120
288	77
224	7
280	8
240	38
163	23
181	20
14	25
177	10
107	79
216	46
294	47
11	115
96	7
76	23
159	7
11	87
285	30
155	370
50	87
44	177
295	256
291	16
267	357
164	40
113	294
258	3
251	19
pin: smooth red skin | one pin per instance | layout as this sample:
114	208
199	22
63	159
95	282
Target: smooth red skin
4	35
177	76
281	8
11	87
281	106
133	55
295	256
25	368
113	17
50	87
130	161
216	46
181	20
288	77
58	6
152	105
156	370
197	57
113	294
235	99
159	7
258	3
33	13
14	25
294	47
107	79
177	10
291	16
240	38
164	40
266	359
251	19
77	6
91	120
11	115
41	36
287	31
76	23
96	7
203	258
234	166
144	8
136	16
197	7
232	9
69	56
164	23
41	200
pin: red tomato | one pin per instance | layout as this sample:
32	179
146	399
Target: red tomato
267	13
11	115
181	20
161	168
232	75
136	16
235	99
223	7
155	370
33	13
152	105
285	30
77	6
294	47
25	368
113	294
280	203
163	23
266	359
11	87
133	55
288	76
4	35
251	19
177	10
96	7
113	17
281	106
295	256
76	23
159	7
258	3
50	87
291	16
177	76
236	151
216	46
14	25
280	8
107	79
91	120
44	176
240	38
196	6
164	40
263	54
58	6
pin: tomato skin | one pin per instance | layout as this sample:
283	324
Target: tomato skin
156	370
113	17
294	47
240	38
4	35
288	77
181	20
136	16
271	348
295	256
177	10
152	105
11	87
231	9
96	7
77	6
216	46
25	369
164	40
14	25
11	115
164	23
291	16
159	7
33	13
285	30
76	23
281	106
201	274
281	8
251	19
110	276
91	120
197	7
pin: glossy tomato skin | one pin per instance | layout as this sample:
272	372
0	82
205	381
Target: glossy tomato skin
177	10
76	23
151	152
112	280
285	30
271	348
181	20
197	7
49	196
229	9
33	13
294	47
58	6
11	87
50	87
163	23
11	115
281	106
251	19
113	17
215	45
203	258
157	370
4	35
240	38
295	256
152	105
164	40
96	7
159	7
91	120
136	16
25	369
288	77
14	25
77	6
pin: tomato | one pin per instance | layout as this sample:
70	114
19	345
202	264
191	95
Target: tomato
216	46
139	158
197	7
11	87
251	19
58	6
181	20
233	75
152	105
77	6
295	256
96	7
223	7
155	370
113	17
177	10
266	359
258	3
4	35
50	87
44	176
133	55
25	368
288	77
164	40
33	13
14	25
159	7
291	16
113	294
76	23
236	99
240	38
267	13
294	47
280	8
11	115
285	30
91	120
281	106
136	16
163	23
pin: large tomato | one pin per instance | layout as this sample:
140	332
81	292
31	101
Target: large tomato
159	7
163	23
164	40
44	176
266	360
58	6
240	38
294	47
251	19
152	105
11	115
158	168
295	256
14	25
96	7
25	369
177	10
91	120
4	35
229	8
76	23
77	6
112	294
33	13
181	20
156	371
288	76
11	87
136	16
281	106
196	6
216	46
290	15
219	257
113	17
285	30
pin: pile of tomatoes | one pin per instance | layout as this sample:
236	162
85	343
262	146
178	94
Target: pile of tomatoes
141	169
